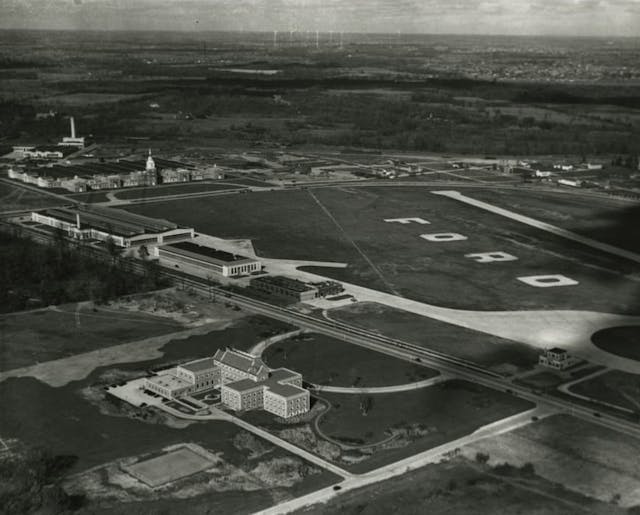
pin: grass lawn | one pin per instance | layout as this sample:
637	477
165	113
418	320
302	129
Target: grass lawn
615	387
90	197
14	198
543	380
440	336
443	412
622	341
328	361
173	189
584	457
37	336
296	224
456	487
605	221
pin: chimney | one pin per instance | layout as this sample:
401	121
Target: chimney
77	216
73	127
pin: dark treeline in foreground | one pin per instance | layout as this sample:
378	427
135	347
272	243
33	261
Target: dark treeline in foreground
34	275
31	483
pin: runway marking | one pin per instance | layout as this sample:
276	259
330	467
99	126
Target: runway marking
355	245
443	236
610	249
547	281
491	257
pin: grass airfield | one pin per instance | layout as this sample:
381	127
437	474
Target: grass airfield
346	225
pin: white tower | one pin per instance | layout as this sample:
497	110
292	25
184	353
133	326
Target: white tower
151	165
73	127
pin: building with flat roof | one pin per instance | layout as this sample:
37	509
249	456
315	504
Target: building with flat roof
208	258
286	287
124	228
557	358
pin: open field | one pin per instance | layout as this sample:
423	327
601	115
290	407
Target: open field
174	189
413	421
610	222
13	198
433	334
43	335
615	387
90	197
586	458
457	487
344	225
328	361
622	341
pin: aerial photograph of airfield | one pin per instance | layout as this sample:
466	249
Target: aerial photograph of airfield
318	272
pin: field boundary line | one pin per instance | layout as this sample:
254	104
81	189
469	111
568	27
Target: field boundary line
355	245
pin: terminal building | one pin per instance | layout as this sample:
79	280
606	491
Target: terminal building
207	258
245	383
101	224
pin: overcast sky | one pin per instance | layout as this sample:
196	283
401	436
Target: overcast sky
557	17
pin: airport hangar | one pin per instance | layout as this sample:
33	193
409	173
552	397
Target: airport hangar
101	224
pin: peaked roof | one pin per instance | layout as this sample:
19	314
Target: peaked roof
241	361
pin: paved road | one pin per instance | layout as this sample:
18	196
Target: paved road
217	414
403	466
382	389
605	247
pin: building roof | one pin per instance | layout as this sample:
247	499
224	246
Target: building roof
242	361
209	254
272	383
285	282
198	365
285	390
245	385
557	350
111	221
282	374
168	381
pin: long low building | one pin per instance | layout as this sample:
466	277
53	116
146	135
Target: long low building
124	228
207	258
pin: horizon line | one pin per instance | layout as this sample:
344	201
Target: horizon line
270	32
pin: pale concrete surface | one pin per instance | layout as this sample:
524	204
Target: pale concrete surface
59	372
605	247
414	462
570	329
259	348
383	389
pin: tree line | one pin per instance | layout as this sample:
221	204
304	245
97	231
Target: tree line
36	275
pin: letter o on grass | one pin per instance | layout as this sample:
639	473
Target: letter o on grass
443	236
547	281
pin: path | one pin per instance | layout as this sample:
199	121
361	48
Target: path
542	329
565	388
355	245
217	414
259	348
382	389
610	249
414	462
62	371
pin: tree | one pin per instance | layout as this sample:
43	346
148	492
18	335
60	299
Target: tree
143	252
112	248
